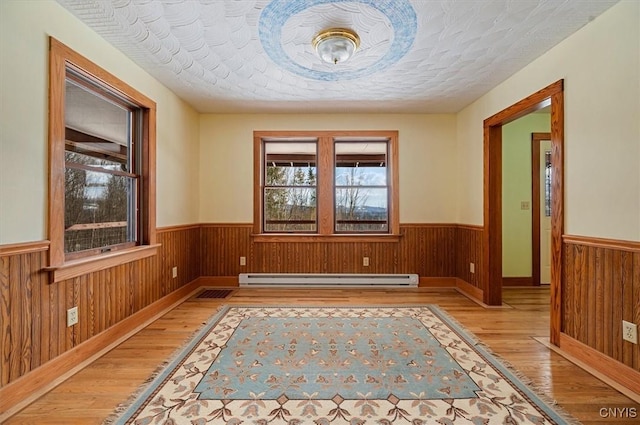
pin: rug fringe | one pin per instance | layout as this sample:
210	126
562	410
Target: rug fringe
532	386
122	407
525	380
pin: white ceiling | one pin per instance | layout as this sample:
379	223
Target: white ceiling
428	56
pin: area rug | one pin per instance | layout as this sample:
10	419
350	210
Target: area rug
335	365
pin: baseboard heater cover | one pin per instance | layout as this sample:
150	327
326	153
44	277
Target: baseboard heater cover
328	280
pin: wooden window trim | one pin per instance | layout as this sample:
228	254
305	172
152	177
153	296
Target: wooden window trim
82	266
325	187
60	58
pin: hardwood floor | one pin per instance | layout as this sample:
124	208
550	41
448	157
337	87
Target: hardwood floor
92	394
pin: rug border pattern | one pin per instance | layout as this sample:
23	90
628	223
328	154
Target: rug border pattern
547	407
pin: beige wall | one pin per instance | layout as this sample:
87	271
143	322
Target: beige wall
427	159
24	30
600	66
516	187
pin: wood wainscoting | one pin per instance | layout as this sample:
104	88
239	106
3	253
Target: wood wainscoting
429	250
469	250
601	288
33	311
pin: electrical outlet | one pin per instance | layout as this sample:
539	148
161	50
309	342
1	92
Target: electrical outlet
365	261
72	316
524	205
243	261
174	272
472	267
630	332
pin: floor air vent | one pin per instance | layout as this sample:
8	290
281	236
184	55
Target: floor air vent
214	293
328	280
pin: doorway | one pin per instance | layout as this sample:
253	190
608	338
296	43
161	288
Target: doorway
552	95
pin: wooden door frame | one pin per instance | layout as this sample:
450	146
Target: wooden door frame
492	234
536	138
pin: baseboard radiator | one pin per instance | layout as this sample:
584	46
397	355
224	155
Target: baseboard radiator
328	280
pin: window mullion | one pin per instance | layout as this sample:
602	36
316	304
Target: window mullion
325	185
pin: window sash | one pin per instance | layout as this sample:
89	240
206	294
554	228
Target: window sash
289	190
360	171
86	232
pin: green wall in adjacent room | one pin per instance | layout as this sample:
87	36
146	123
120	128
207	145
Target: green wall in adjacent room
516	188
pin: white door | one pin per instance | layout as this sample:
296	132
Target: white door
545	211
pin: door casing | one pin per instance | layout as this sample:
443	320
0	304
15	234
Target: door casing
492	234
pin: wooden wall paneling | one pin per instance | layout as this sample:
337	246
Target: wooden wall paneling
5	319
599	300
45	319
567	282
617	299
601	288
636	299
426	249
84	313
591	296
410	256
35	303
67	332
57	309
626	266
579	287
26	313
33	311
15	333
468	249
607	301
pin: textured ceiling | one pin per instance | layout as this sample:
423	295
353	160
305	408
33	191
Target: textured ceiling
433	56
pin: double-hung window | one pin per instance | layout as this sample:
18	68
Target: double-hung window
326	183
361	186
102	174
102	167
289	189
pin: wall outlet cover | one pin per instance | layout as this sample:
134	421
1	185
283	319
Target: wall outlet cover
630	332
72	316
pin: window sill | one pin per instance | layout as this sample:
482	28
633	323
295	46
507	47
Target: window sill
288	237
75	268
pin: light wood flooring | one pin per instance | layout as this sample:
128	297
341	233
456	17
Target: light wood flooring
92	394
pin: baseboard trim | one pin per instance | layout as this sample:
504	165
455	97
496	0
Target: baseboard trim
469	290
18	394
624	375
475	294
518	281
219	281
437	282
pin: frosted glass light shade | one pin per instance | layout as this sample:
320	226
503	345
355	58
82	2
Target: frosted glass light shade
336	45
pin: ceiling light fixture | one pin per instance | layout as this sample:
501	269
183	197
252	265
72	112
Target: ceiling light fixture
336	45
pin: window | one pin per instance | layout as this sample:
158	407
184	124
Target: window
290	187
101	172
326	183
361	190
101	136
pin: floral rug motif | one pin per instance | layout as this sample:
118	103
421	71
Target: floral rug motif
335	365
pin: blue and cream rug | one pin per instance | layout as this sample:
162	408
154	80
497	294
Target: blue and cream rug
335	365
